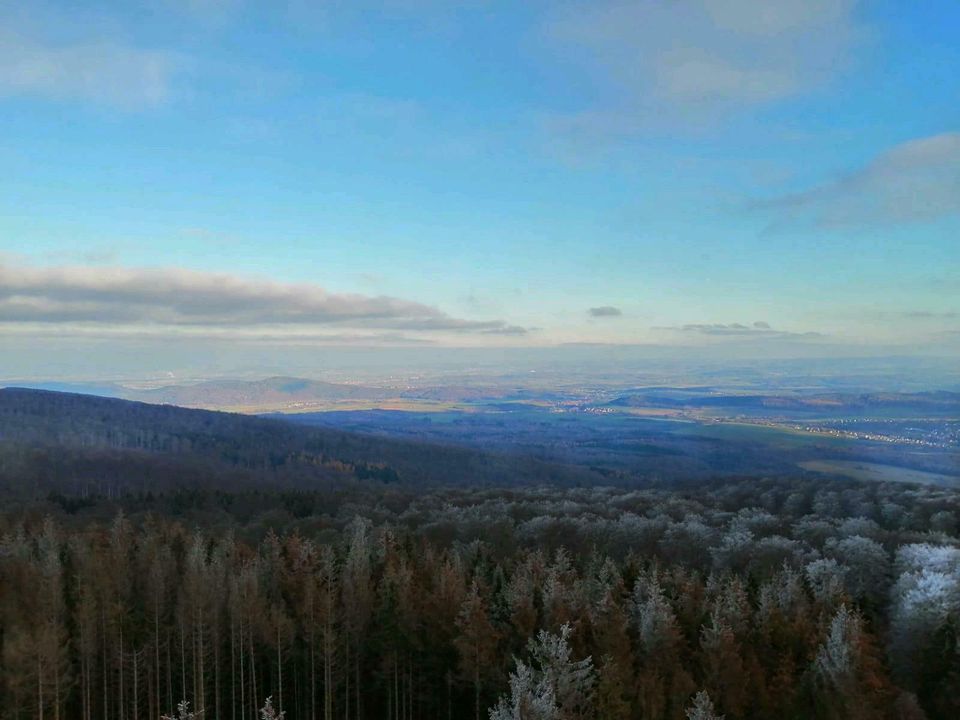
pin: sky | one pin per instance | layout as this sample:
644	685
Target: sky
220	176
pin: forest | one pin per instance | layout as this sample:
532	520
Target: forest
744	599
374	597
81	445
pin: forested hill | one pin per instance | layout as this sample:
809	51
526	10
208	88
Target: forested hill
82	444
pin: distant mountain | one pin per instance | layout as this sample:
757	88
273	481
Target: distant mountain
291	394
281	394
274	392
66	442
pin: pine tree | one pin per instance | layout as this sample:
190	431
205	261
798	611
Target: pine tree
268	713
848	675
553	686
183	713
723	669
477	641
702	708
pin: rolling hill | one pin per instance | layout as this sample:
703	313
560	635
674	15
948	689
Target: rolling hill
72	443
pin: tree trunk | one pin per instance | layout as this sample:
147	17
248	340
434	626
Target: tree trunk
39	685
169	674
103	659
120	698
156	650
253	676
356	684
233	670
183	663
136	696
327	675
56	677
83	672
279	669
216	669
243	682
346	675
198	673
476	680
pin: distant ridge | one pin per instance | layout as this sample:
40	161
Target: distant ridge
273	391
68	442
285	394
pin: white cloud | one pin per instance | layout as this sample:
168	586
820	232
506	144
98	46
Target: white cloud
132	298
604	311
758	329
915	181
691	61
100	71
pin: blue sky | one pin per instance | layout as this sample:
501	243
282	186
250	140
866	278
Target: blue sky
482	173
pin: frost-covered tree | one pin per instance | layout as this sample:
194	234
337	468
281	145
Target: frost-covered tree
836	661
735	551
944	521
688	542
702	708
357	598
521	593
826	578
530	698
268	713
654	618
662	681
846	674
925	596
553	686
559	598
868	565
183	712
813	530
938	686
610	623
723	666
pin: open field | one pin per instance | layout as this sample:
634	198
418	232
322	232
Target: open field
879	472
398	404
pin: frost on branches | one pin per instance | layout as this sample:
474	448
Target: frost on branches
924	598
268	713
552	687
702	708
183	713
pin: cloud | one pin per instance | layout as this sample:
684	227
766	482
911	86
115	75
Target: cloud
929	315
915	181
604	311
298	336
692	61
508	330
171	299
101	71
758	329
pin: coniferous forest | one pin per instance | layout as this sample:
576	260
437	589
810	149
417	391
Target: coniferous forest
374	598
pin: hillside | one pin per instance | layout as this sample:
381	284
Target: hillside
64	442
269	392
